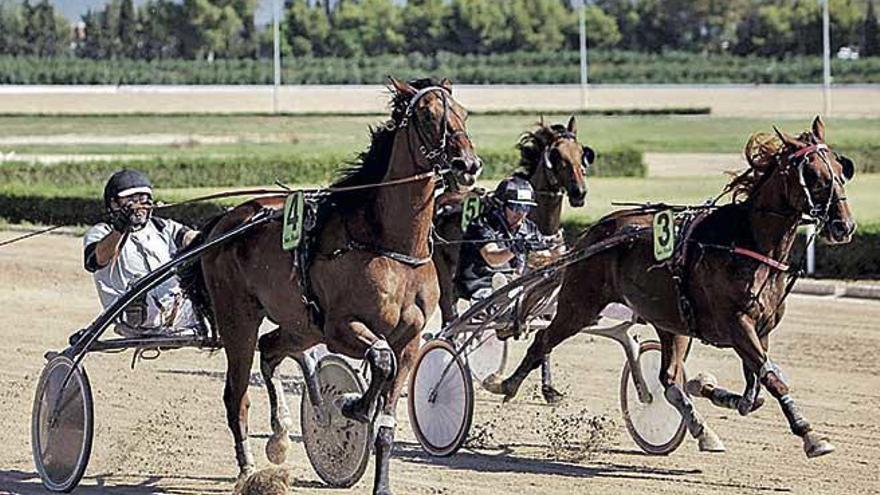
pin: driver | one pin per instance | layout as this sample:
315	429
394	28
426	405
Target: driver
499	240
132	243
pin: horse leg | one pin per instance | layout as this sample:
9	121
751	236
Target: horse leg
446	266
706	385
673	349
355	338
238	319
753	354
577	307
386	419
239	359
274	347
551	395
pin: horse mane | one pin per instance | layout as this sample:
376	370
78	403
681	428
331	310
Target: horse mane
532	144
370	166
762	151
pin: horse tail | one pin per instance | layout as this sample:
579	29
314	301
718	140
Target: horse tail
192	277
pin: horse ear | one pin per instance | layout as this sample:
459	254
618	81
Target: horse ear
401	87
541	120
446	84
572	126
819	128
787	139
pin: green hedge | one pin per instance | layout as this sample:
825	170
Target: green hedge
606	66
622	162
70	210
866	158
182	172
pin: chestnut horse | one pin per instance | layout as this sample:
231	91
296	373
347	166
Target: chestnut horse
371	273
733	277
555	163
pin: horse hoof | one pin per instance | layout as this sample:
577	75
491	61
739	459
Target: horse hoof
349	406
709	441
244	474
494	384
816	445
270	481
277	447
552	396
746	409
694	386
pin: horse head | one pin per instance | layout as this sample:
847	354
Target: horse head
816	178
438	123
554	154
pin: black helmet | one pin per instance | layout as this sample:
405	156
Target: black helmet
125	183
515	190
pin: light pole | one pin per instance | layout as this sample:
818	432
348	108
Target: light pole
583	33
826	58
276	44
826	110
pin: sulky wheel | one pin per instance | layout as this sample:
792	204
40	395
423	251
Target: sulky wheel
62	424
441	399
338	447
656	426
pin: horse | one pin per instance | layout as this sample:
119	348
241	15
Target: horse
555	163
371	274
731	286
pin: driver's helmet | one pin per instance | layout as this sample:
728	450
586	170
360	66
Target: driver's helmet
126	182
515	192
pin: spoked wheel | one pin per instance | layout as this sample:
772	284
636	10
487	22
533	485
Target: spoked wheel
62	424
338	447
656	426
486	355
441	399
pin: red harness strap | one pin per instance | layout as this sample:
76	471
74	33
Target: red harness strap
783	267
809	149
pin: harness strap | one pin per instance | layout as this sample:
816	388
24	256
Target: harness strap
783	267
396	256
808	149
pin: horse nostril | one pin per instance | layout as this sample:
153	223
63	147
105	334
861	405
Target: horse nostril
841	229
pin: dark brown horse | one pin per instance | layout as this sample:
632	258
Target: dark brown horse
732	276
371	274
555	163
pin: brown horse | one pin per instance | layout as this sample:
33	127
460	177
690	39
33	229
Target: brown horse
555	163
371	274
732	276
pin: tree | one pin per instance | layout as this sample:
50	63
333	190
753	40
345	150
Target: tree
477	26
12	26
870	32
305	29
128	29
602	29
766	31
424	25
163	24
537	25
369	27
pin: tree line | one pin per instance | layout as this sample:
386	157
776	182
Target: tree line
208	29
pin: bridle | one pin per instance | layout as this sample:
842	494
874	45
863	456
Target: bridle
552	178
437	156
815	211
800	159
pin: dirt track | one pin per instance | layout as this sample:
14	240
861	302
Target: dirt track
161	428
